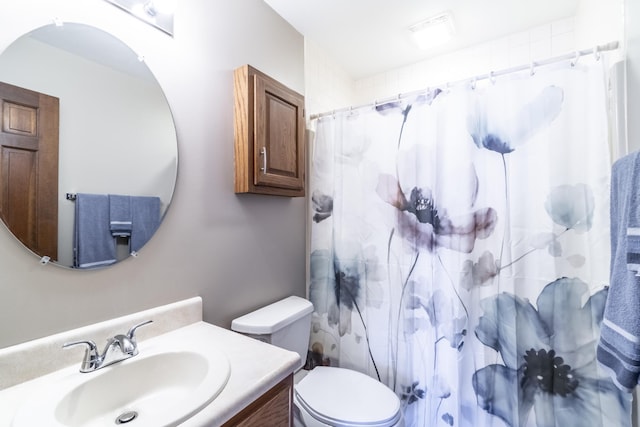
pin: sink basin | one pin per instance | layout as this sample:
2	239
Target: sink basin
156	388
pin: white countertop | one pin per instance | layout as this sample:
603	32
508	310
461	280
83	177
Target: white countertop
255	368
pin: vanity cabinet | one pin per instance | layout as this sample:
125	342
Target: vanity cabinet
269	132
274	408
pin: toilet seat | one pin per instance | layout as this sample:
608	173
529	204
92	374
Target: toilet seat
346	398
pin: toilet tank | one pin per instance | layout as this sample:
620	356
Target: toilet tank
285	323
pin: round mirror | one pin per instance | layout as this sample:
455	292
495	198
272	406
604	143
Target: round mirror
116	156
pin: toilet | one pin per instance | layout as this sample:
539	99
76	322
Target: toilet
325	396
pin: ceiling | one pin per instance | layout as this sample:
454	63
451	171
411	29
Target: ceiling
367	37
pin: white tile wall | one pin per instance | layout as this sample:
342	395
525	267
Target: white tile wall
516	49
328	87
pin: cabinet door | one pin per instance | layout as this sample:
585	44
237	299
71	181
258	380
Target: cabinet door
272	409
279	135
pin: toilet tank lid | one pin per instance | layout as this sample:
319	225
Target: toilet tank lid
272	317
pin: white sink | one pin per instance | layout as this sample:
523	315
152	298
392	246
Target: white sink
167	383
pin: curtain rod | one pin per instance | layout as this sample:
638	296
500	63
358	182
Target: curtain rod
491	75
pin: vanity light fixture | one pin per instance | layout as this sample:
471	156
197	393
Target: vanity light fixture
434	31
158	13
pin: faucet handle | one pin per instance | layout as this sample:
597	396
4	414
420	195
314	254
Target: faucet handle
132	331
91	346
91	357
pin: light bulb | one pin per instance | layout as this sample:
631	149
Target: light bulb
166	7
433	32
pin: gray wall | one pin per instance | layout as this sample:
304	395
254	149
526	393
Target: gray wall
236	251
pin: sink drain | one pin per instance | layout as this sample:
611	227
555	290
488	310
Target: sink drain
127	417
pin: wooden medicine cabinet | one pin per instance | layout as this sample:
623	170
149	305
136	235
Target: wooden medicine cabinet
269	135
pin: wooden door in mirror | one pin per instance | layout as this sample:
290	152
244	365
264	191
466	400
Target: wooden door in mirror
29	167
269	135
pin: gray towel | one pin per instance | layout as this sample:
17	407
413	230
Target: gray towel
93	244
145	213
619	345
120	215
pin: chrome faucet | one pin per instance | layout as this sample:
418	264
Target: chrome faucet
118	348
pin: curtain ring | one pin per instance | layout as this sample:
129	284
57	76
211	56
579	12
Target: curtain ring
596	53
492	77
473	83
574	61
532	68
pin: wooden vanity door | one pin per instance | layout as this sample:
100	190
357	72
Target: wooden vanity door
29	167
273	409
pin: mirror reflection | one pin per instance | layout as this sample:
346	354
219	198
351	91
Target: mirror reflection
116	135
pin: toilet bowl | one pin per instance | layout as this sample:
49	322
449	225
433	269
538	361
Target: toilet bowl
325	396
345	398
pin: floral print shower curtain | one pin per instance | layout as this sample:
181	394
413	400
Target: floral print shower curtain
460	249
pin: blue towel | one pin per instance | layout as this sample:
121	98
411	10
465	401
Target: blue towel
120	215
93	245
619	345
145	214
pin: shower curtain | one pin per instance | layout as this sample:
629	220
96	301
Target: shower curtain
460	249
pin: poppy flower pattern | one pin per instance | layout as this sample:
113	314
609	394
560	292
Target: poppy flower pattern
548	359
459	251
428	226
